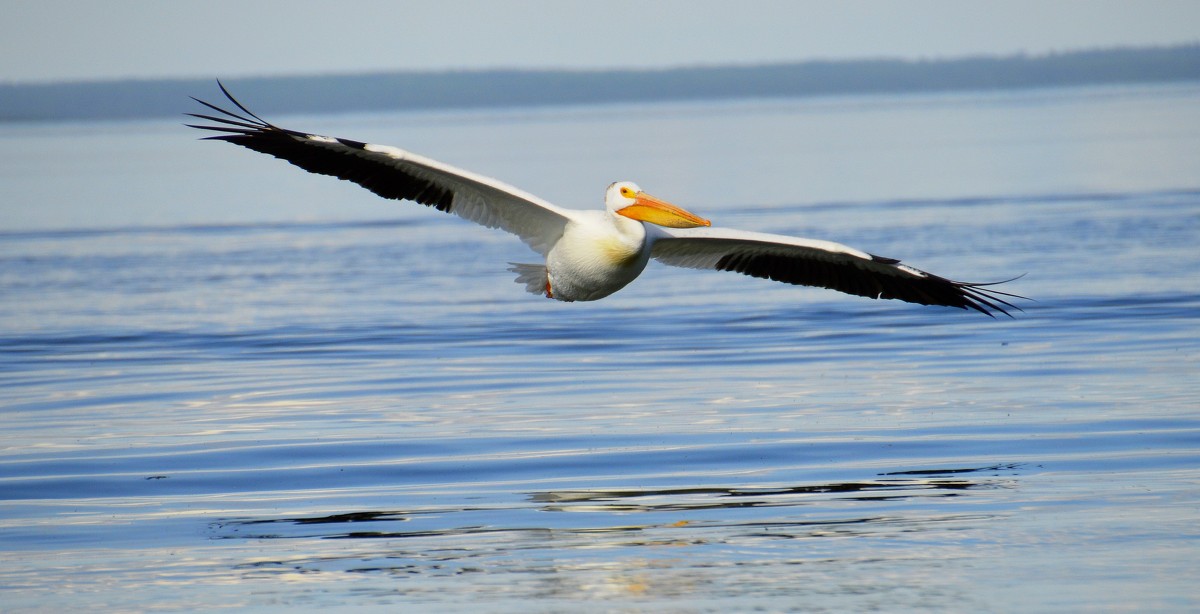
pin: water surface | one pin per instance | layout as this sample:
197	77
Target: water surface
227	384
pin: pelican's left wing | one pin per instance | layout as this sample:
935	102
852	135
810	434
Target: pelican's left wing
811	262
394	173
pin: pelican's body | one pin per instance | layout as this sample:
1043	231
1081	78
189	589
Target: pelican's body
600	252
592	254
597	255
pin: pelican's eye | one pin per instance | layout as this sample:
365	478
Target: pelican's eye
626	192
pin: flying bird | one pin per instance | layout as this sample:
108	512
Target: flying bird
592	254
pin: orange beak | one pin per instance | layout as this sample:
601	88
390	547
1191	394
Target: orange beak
646	208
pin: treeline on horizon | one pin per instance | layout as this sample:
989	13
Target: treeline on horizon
144	99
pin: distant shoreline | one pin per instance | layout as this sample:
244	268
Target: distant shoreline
394	91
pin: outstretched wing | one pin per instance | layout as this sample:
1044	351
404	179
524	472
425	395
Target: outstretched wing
824	264
395	173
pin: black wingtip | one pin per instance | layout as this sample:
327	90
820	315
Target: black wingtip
981	298
232	125
249	120
238	104
229	122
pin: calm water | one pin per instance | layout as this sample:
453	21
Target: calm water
227	384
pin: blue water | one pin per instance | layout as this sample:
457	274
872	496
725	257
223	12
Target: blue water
225	384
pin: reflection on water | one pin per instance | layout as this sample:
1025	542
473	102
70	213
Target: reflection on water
689	543
387	524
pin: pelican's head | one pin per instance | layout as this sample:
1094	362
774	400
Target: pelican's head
625	198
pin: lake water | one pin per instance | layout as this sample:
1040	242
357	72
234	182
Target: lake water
226	384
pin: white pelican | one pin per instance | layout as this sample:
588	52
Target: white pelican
591	254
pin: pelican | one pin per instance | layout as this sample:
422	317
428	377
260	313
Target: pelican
592	254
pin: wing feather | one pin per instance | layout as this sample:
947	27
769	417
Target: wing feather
397	174
823	264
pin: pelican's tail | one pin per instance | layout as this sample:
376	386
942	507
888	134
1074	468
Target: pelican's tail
534	276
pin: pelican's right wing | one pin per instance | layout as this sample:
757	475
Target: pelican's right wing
395	173
824	264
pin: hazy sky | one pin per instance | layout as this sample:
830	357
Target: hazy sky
43	40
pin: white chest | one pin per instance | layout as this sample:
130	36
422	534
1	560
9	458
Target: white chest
596	258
